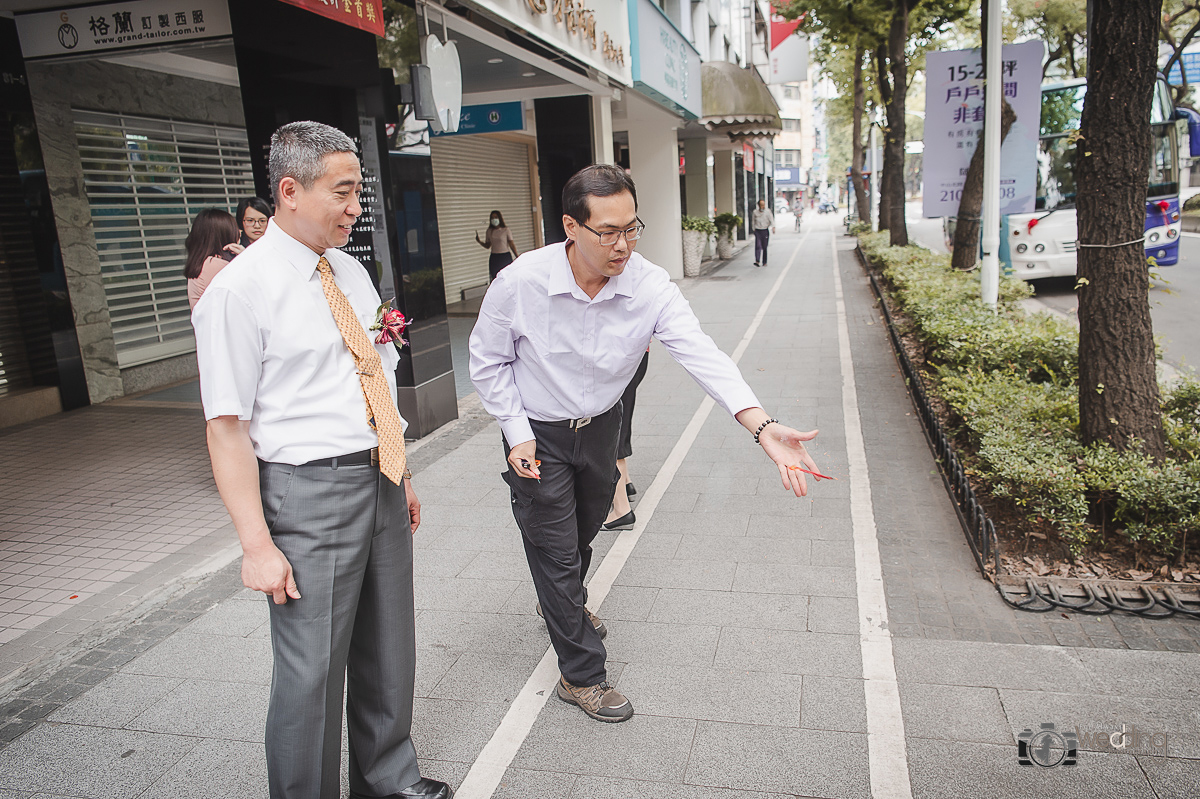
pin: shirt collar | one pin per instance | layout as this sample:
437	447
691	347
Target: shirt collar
295	252
562	279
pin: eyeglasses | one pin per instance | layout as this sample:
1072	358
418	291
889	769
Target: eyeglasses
610	237
255	222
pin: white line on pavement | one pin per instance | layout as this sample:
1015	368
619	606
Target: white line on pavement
488	769
885	724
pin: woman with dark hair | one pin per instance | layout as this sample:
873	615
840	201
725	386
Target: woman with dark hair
252	216
212	243
500	240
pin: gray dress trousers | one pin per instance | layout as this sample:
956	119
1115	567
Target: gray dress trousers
347	535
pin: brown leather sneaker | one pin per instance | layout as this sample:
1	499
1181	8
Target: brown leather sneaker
601	702
595	620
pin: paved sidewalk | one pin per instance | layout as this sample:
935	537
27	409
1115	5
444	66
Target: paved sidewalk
734	623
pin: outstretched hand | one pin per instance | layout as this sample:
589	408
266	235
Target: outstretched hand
785	446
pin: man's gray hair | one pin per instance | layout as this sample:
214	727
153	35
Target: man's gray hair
298	151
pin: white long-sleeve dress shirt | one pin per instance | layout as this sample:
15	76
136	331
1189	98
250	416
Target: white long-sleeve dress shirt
542	349
270	351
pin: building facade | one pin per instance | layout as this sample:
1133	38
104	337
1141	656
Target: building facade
122	120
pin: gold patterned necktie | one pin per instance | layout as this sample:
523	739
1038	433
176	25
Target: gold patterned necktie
381	410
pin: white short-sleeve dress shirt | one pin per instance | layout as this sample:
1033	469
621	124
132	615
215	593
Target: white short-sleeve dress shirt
542	349
271	353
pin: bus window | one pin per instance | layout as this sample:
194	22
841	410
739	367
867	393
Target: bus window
1164	176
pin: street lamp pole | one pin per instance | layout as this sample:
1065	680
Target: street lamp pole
989	271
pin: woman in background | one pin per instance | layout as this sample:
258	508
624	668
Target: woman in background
212	243
252	216
500	240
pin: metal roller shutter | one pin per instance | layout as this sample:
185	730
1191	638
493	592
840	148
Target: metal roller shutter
145	180
472	176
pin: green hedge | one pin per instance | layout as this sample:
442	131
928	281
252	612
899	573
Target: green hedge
1010	379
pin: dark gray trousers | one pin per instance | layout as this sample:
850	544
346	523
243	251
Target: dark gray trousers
761	238
347	535
559	517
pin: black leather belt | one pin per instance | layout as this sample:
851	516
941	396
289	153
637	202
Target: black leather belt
367	457
575	424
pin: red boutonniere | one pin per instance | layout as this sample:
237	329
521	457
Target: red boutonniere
390	323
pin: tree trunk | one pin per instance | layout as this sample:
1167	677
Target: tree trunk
970	205
1118	389
856	152
883	178
893	151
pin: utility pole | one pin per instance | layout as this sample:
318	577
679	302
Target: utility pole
989	272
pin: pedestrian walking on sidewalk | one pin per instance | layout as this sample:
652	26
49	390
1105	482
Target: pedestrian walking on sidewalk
499	239
763	222
307	450
560	335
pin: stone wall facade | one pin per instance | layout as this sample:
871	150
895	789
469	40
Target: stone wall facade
95	85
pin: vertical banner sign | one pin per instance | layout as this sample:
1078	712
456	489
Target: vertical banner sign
789	52
365	15
954	126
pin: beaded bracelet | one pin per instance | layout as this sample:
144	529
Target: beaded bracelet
762	427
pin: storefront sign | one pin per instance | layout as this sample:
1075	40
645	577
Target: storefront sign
365	15
596	35
747	157
787	176
954	126
121	26
789	51
491	118
666	67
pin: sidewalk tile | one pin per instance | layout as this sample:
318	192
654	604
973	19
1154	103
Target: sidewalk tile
455	730
225	710
478	632
89	761
1171	776
832	614
238	767
833	703
664	573
499	677
645	747
628	602
774	578
952	770
988	665
954	713
612	788
207	657
727	609
713	694
788	761
790	652
116	701
239	619
743	549
1179	718
1166	674
519	783
648	642
445	593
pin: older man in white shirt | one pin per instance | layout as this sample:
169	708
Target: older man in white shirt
307	452
560	334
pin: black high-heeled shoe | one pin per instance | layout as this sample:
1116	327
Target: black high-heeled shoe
630	490
624	522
